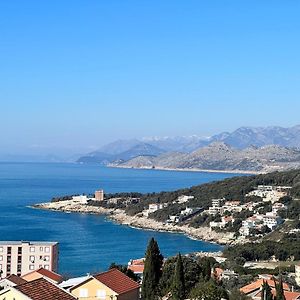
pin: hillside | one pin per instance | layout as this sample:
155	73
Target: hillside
220	156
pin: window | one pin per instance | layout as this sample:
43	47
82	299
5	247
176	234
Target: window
9	259
8	250
31	258
46	267
101	294
1	249
41	249
19	250
1	257
83	293
31	249
19	268
0	267
47	249
8	268
19	259
31	267
47	258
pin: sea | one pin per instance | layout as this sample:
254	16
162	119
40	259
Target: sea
88	243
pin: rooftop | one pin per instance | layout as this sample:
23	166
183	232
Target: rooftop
117	281
42	289
15	279
27	242
47	273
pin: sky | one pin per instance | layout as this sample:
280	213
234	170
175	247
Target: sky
75	75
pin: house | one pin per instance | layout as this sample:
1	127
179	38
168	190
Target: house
43	273
10	281
224	221
183	199
254	288
39	289
137	266
272	220
112	284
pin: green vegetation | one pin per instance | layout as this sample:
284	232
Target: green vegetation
152	271
178	285
266	292
287	248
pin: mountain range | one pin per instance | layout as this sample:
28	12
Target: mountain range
244	140
220	156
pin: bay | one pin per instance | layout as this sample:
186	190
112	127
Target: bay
88	243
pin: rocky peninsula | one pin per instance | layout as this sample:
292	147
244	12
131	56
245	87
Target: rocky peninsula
138	221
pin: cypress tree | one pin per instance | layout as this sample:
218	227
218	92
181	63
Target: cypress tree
178	285
266	292
152	271
279	290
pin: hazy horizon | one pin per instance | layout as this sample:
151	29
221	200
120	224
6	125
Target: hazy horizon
77	75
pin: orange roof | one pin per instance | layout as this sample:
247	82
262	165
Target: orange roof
138	268
117	281
42	289
247	289
47	273
287	295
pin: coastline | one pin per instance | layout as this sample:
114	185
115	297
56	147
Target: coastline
119	216
191	170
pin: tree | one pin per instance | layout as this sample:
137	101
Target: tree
266	292
208	291
178	286
152	271
237	295
279	290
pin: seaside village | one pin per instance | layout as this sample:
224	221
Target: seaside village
29	270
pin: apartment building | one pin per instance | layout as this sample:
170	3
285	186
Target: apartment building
20	257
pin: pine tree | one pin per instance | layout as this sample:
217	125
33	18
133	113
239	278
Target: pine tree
178	285
266	292
279	290
152	271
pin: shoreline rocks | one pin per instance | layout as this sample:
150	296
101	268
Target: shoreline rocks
119	216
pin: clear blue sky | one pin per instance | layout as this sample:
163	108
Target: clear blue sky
78	74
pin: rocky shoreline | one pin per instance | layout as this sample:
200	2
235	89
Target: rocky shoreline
244	172
119	216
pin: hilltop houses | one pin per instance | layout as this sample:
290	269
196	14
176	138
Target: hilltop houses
270	193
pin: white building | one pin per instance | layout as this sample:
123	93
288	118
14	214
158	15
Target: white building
297	274
271	220
23	257
184	199
153	208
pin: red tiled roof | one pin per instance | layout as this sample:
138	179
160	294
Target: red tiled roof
47	273
50	274
136	268
117	281
42	289
287	295
15	279
257	285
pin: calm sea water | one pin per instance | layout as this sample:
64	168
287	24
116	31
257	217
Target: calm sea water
88	243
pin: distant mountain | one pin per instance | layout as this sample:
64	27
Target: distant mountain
220	156
242	138
260	136
128	151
